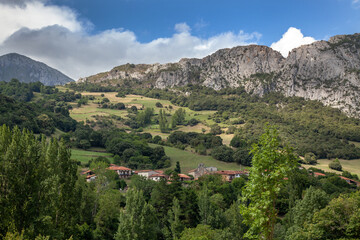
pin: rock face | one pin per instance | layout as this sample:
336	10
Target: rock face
25	69
324	71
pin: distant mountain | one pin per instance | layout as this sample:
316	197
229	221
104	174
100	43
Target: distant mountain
27	70
328	71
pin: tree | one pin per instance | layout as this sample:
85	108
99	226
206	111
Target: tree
39	192
223	153
336	165
137	220
178	118
338	220
158	105
201	232
177	168
163	123
271	164
176	226
215	129
303	211
310	158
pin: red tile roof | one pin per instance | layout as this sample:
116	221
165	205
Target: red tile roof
229	172
116	168
184	176
85	172
90	176
147	170
319	174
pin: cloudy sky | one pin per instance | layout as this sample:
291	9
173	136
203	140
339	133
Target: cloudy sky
84	37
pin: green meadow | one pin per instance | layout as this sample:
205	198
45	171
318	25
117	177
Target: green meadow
189	160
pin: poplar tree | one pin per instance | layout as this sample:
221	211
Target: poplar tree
137	220
271	165
176	226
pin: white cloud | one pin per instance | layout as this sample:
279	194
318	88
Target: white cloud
56	37
293	38
182	28
34	15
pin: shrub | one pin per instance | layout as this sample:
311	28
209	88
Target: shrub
336	165
310	158
223	153
158	105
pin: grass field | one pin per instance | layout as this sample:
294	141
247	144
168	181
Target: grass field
190	160
89	111
84	156
352	166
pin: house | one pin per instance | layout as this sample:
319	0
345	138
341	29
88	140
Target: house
90	175
350	181
184	177
123	172
317	174
148	173
201	170
228	175
157	177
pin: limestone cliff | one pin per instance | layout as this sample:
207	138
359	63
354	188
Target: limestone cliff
328	71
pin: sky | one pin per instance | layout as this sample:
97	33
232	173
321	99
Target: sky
85	37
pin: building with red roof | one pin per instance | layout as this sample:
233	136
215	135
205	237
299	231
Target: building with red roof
229	175
123	172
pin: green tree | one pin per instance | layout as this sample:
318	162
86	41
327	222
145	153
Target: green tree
137	220
303	211
177	168
178	118
310	158
336	165
163	123
340	219
201	232
176	226
271	164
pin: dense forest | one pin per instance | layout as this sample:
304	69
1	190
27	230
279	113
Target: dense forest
44	197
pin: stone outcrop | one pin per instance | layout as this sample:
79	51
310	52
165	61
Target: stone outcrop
328	71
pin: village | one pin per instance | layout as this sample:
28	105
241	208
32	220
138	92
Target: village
158	175
192	175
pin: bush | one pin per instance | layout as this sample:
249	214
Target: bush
231	130
336	165
223	153
310	158
158	105
215	129
192	122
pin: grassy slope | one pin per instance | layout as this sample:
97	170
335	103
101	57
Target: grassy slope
90	110
189	160
352	166
84	156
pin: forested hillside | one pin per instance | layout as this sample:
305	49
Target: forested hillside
43	197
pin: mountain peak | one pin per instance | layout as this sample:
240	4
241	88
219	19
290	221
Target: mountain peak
25	69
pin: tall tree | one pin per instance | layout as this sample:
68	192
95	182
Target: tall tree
176	225
137	221
271	164
177	168
163	123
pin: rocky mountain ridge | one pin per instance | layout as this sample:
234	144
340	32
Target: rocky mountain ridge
27	70
328	71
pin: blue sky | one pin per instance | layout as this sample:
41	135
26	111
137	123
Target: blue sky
151	19
83	37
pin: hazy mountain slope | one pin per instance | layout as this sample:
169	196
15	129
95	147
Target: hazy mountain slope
25	69
328	71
